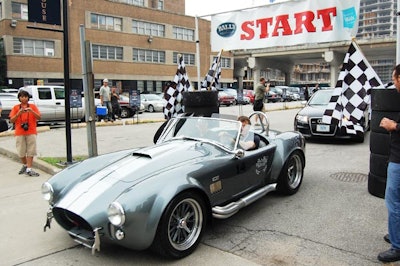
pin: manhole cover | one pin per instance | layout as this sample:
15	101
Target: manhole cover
350	177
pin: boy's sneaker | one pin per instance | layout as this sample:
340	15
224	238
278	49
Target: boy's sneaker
23	170
32	173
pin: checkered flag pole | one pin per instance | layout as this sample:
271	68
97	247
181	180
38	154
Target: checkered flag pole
173	98
211	80
352	93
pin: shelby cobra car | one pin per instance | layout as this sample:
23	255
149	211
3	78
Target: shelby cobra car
163	196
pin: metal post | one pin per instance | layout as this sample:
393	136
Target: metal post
67	82
89	94
198	51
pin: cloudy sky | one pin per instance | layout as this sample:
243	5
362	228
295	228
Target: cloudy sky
207	7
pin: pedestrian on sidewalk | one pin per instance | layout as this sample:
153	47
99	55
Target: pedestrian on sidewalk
105	99
25	116
261	89
116	108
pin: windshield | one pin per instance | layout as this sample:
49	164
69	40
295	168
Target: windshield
218	131
321	97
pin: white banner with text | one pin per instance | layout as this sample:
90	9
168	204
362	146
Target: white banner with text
285	24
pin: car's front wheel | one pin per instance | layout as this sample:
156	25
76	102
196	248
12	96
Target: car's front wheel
151	108
292	174
181	226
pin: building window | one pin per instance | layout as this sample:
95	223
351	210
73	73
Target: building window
33	47
105	22
225	62
1	11
140	85
160	5
149	56
19	10
149	85
183	34
107	52
188	59
147	28
132	2
159	86
28	82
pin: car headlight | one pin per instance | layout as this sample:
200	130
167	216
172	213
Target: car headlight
302	119
47	191
116	214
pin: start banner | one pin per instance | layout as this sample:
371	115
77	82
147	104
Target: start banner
284	24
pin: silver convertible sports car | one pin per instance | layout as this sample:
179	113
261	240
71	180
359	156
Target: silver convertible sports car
163	196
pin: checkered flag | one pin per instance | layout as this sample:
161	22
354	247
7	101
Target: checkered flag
352	94
173	94
211	80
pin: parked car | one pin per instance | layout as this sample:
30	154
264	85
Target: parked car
225	98
308	120
288	93
164	196
152	102
273	95
295	93
126	109
234	93
8	100
249	94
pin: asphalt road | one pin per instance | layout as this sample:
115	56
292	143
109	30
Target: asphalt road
332	220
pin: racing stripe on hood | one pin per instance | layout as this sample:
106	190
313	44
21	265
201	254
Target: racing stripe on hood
142	164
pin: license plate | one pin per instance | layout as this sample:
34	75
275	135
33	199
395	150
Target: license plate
323	128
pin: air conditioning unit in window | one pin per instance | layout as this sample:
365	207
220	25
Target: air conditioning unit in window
13	23
49	52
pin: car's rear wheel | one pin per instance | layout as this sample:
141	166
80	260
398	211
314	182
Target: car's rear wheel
181	226
150	108
292	174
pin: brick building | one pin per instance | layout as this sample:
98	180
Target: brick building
134	44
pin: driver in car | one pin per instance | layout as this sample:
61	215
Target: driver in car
248	140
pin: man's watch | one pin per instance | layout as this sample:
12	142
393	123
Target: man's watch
397	127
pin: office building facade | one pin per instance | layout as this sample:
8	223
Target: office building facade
378	19
134	43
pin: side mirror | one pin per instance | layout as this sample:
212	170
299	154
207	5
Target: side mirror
239	153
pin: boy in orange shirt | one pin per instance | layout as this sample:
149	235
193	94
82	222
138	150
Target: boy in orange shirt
25	116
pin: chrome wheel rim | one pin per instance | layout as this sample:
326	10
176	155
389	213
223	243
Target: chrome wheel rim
294	171
185	224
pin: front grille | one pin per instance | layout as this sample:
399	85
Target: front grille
69	220
317	127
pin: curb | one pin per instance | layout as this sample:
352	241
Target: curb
38	164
